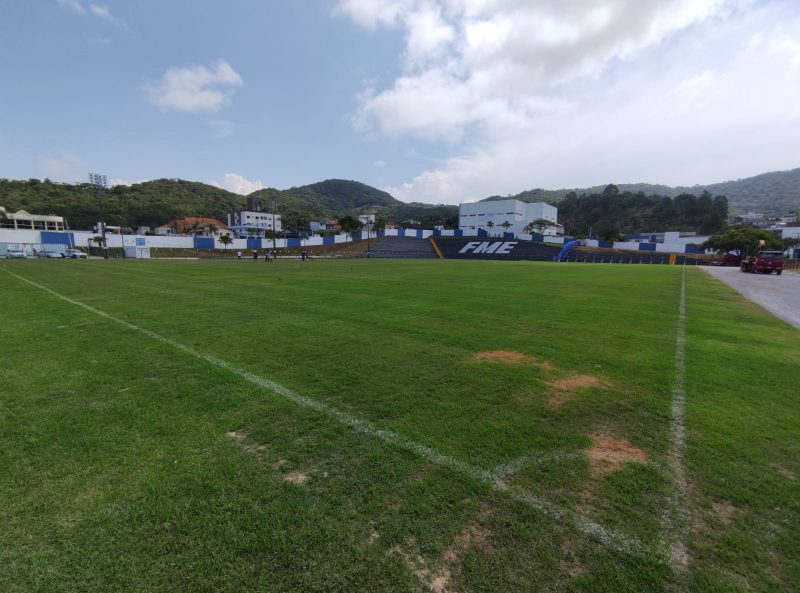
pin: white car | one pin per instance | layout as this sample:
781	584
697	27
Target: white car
15	254
49	254
74	254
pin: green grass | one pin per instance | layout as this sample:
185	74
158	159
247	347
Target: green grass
117	472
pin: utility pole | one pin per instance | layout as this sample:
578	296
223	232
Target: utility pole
100	183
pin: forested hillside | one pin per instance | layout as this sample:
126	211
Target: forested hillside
158	202
772	194
620	212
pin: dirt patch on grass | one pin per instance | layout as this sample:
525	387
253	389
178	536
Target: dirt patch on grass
298	478
566	388
243	439
437	580
473	537
571	563
785	472
438	576
577	382
724	511
510	358
608	454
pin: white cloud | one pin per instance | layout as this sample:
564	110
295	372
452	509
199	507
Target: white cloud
104	12
380	164
222	128
196	88
563	93
238	184
73	5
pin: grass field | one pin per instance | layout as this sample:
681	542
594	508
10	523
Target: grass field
393	426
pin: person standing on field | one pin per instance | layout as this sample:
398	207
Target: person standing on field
255	254
239	254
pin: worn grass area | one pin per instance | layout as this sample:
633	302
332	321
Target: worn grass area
129	465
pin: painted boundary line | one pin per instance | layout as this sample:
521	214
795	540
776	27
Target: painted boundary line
610	538
677	516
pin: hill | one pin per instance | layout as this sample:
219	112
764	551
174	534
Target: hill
153	203
772	194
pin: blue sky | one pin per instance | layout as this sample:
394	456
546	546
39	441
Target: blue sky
433	100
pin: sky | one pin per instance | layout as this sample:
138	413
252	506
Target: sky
437	101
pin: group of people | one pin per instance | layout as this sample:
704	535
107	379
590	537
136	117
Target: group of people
269	256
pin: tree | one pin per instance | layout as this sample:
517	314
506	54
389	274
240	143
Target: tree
212	228
610	235
490	225
540	224
744	241
225	240
380	223
350	224
98	239
506	225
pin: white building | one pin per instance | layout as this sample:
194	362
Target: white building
35	222
506	216
790	232
260	222
252	221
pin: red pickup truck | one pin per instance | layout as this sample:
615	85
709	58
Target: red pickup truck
763	262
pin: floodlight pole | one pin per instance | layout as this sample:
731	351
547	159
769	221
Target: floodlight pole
100	183
274	248
368	229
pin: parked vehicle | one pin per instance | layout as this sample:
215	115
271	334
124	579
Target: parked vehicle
763	262
49	254
74	254
15	253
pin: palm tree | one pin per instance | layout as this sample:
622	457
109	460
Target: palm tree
98	239
226	240
194	227
490	225
506	225
212	228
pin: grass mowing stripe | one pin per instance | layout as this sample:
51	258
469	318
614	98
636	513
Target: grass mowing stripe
613	539
677	515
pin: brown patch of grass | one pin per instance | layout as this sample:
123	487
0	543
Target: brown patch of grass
297	478
242	438
608	454
437	580
439	577
724	511
512	359
473	536
571	564
577	382
785	472
565	388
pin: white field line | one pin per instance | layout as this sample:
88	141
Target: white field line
677	514
611	538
